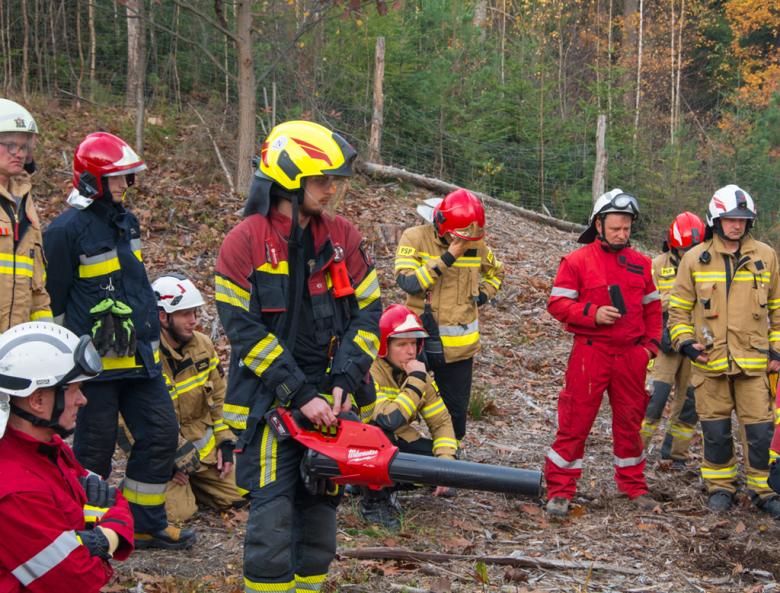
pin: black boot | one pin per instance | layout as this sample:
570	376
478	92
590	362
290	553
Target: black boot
770	506
720	500
169	538
377	507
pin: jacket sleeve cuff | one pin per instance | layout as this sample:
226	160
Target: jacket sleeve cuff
343	381
652	345
448	259
773	355
288	388
586	316
304	395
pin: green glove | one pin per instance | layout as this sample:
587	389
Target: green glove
124	330
103	329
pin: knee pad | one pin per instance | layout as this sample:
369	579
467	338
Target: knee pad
655	408
268	552
688	413
718	443
318	546
759	438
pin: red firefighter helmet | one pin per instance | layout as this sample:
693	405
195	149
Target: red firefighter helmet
461	214
399	322
103	155
686	231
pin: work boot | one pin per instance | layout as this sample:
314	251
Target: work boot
353	490
558	506
770	506
377	507
643	502
720	500
170	538
678	465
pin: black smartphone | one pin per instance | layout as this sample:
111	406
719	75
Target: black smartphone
616	298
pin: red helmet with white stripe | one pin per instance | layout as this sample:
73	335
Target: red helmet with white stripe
461	214
175	292
399	322
686	231
102	155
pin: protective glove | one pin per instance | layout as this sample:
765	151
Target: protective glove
666	341
103	328
774	477
100	498
227	447
124	330
187	459
317	486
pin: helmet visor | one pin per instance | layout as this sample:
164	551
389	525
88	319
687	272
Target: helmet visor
473	232
331	188
19	144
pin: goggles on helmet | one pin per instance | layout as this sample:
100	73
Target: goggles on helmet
19	144
622	203
87	362
335	187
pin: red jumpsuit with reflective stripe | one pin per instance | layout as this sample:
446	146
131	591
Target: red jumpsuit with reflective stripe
41	509
608	358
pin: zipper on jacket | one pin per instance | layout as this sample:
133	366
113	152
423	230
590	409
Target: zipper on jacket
727	261
13	273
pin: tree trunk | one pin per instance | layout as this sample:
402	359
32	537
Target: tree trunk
81	54
246	97
609	62
679	68
6	55
139	87
480	16
638	73
25	54
133	59
600	171
671	100
38	65
628	46
377	120
92	43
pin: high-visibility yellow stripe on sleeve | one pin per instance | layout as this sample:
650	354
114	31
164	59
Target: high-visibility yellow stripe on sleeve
368	290
721	364
773	304
445	442
424	277
98	265
231	293
676	301
235	416
435	408
263	354
368	342
680	329
402	263
774	336
46	316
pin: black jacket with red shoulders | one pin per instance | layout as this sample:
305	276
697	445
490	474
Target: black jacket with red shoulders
253	300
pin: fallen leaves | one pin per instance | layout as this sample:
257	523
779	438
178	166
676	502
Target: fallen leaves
740	528
514	575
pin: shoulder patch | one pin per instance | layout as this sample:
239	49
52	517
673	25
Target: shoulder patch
406	251
668	271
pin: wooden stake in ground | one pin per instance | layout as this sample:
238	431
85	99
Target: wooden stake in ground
375	144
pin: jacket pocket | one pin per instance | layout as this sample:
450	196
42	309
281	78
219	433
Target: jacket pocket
707	295
99	259
271	299
758	300
39	267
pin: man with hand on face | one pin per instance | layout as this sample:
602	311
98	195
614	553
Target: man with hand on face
23	294
298	296
98	284
405	392
724	314
605	295
59	523
203	471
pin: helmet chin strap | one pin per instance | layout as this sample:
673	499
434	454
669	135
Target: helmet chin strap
602	239
717	228
59	408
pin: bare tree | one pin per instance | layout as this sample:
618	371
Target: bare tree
638	72
134	72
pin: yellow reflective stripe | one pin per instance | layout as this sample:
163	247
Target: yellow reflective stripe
99	269
676	301
773	303
406	403
423	277
230	293
757	481
263	354
197	380
268	460
665	284
680	432
493	281
219	426
726	472
281	268
235	416
648	429
368	342
207	449
368	290
455	341
402	263
171	387
773	455
445	442
24	266
750	276
116	362
468	262
241	491
751	363
143	494
284	587
309	584
774	336
713	365
46	316
433	409
709	276
137	254
681	329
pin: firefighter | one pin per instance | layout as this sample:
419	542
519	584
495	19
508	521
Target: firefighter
298	296
98	284
686	231
724	314
448	272
23	295
203	472
60	524
604	293
405	392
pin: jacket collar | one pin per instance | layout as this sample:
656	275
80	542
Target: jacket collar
33	445
320	229
748	245
399	375
20	186
170	352
108	212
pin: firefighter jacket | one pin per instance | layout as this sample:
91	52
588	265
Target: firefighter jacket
42	515
95	254
731	305
664	275
252	293
401	399
582	286
23	295
456	287
197	386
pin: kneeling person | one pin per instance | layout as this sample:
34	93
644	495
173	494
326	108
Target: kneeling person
204	462
404	393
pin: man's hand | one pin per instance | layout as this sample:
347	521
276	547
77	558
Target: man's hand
773	366
338	405
649	354
180	478
440	490
703	357
606	315
414	365
225	468
458	247
319	411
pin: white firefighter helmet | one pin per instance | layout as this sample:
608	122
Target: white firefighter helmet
731	202
616	201
175	292
38	355
18	129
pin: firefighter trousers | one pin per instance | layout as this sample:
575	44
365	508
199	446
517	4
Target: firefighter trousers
290	534
453	380
592	371
204	487
716	398
671	369
148	411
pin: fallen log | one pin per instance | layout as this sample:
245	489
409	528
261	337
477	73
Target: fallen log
513	560
443	187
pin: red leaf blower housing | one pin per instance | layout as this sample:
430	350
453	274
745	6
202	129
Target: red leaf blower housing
361	454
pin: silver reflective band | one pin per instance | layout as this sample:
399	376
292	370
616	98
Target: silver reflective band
200	443
561	462
650	297
459	330
155	345
60	319
144	488
565	292
630	462
46	559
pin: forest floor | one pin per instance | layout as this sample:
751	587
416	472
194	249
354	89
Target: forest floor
518	376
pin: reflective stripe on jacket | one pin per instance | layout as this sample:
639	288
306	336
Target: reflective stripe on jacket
582	286
23	295
730	306
664	275
95	254
401	399
41	515
455	290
